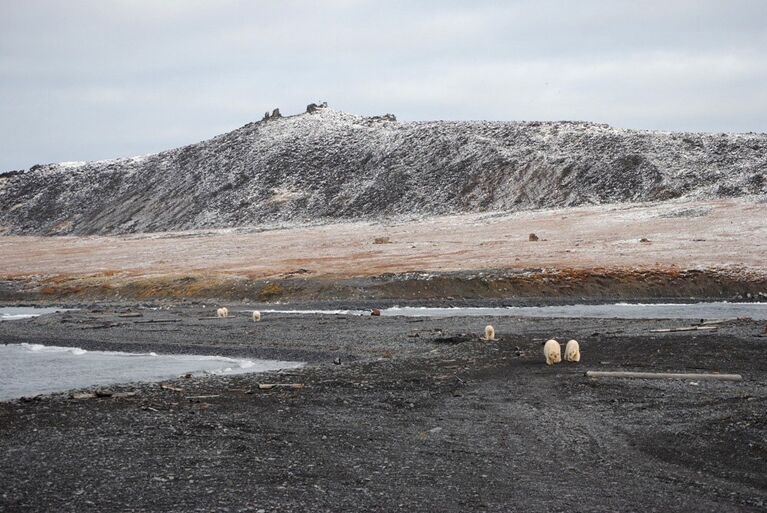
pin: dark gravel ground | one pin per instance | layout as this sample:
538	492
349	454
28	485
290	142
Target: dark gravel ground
418	417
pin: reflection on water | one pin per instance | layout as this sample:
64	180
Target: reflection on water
10	313
31	369
719	310
616	311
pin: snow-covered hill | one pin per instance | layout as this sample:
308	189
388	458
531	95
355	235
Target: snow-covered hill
326	165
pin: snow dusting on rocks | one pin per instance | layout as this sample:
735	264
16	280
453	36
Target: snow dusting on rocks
325	165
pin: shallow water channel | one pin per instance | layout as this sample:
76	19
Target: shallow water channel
708	311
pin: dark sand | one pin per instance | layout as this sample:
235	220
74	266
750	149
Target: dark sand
418	417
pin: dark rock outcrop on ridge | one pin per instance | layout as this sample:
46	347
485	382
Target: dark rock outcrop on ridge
325	165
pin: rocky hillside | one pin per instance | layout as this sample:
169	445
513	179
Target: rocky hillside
326	165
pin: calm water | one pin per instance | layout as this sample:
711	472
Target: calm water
31	369
720	310
24	312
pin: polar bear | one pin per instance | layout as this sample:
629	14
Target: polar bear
572	351
552	351
256	316
222	312
489	333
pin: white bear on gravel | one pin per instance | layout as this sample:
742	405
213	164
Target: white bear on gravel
256	315
552	351
573	351
222	312
489	332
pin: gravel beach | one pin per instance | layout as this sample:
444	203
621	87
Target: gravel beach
420	414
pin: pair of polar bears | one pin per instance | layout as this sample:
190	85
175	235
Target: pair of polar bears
553	352
223	312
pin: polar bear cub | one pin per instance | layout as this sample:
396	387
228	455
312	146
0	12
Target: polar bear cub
256	316
222	312
572	351
552	351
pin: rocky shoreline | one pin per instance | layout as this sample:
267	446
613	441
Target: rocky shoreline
420	414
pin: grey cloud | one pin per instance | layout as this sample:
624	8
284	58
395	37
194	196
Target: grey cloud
83	80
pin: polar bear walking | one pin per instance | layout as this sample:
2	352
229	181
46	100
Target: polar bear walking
222	312
552	351
572	351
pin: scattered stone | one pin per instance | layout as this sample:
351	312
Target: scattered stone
297	272
104	393
313	107
79	396
122	395
532	237
269	386
385	117
337	361
375	312
644	241
274	115
382	240
454	339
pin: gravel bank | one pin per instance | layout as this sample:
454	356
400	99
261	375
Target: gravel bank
419	415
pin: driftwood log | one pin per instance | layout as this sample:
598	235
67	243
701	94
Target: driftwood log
662	375
685	328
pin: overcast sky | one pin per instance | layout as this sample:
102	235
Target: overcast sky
83	80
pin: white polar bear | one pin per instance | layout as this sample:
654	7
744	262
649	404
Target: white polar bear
572	351
256	315
552	351
222	312
489	332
